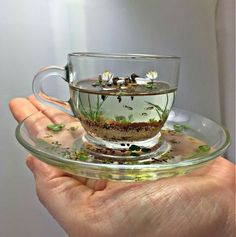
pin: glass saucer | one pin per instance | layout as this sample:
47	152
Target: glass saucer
193	139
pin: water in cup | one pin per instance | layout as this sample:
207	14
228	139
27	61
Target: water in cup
131	112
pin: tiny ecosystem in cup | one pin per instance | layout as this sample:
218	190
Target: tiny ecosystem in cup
122	108
123	124
121	100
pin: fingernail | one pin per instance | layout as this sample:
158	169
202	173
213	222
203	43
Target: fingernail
30	164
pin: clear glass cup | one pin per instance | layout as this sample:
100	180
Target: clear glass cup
121	100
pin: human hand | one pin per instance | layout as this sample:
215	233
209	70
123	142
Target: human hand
200	204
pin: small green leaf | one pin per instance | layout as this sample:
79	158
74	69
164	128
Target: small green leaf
97	83
83	158
149	86
178	127
55	127
204	148
186	126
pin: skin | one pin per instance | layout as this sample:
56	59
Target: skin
200	204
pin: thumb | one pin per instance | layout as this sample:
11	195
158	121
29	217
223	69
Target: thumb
58	191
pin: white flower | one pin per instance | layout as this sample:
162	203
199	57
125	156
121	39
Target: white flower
152	75
107	76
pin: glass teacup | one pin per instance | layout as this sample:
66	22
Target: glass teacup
121	100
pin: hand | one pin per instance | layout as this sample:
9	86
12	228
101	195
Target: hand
200	204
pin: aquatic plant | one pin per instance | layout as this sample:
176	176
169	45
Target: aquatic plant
93	114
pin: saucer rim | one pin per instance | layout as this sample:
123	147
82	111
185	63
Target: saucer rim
160	167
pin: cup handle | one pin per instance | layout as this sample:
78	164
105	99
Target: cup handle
43	74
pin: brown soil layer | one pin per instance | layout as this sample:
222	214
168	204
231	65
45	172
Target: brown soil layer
112	152
115	131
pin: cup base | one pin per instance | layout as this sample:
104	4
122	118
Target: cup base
126	151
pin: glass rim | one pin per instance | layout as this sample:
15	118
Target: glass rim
122	55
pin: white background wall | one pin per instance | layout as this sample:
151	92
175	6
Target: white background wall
225	29
26	44
38	33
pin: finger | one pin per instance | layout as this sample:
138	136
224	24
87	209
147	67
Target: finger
55	115
37	123
39	168
61	194
96	185
21	108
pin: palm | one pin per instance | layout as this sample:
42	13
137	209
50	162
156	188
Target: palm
104	208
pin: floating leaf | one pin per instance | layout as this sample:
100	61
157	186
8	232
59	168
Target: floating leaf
204	148
55	127
149	86
180	127
83	158
97	83
186	126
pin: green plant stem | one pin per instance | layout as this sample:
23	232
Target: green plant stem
93	115
97	107
158	109
167	101
82	106
90	107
